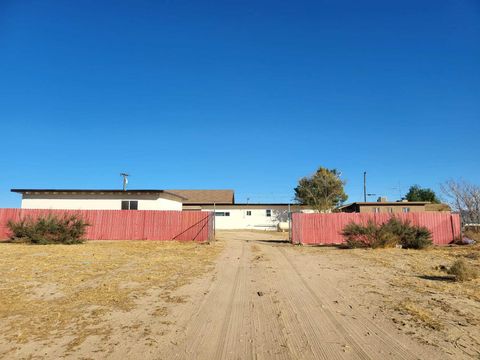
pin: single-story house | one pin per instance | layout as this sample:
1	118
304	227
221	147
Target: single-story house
253	216
228	214
79	199
231	215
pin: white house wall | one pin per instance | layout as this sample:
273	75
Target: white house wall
98	201
258	219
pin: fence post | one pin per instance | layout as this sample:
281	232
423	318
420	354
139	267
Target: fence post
289	224
214	225
293	230
453	229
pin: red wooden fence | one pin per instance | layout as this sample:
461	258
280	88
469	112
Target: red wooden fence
128	224
327	228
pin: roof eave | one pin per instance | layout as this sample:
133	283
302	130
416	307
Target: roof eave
97	191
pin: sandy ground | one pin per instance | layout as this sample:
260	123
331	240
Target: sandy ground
83	301
271	300
267	299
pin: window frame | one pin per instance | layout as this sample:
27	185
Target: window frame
128	204
268	212
135	202
248	213
222	213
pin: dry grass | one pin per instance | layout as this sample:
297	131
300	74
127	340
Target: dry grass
53	291
425	270
418	314
463	271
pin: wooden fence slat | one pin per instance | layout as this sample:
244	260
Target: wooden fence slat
127	224
327	228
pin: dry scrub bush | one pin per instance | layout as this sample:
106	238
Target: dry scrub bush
393	232
369	235
463	271
51	229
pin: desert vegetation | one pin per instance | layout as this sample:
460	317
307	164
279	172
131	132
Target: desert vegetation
389	234
323	191
50	229
463	271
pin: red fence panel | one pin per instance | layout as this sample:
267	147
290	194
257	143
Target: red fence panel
327	228
127	224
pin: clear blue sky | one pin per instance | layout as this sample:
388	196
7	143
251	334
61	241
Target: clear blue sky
249	95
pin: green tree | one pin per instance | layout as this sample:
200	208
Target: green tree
323	191
417	193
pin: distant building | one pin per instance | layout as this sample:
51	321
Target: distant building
392	207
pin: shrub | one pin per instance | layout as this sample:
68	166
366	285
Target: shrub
356	235
393	232
419	237
408	235
51	229
463	271
369	235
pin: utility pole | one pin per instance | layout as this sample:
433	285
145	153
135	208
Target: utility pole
365	186
125	180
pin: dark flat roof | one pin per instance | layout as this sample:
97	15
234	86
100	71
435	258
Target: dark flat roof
388	203
114	191
253	204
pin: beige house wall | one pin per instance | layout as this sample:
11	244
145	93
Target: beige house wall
391	209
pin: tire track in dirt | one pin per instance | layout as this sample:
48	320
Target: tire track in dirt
349	333
232	319
264	303
381	338
270	332
207	333
198	324
304	317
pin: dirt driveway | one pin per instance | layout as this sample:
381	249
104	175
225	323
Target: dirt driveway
250	295
267	300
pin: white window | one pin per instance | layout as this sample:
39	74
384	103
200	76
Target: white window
222	213
249	213
129	205
406	210
390	210
376	210
268	213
